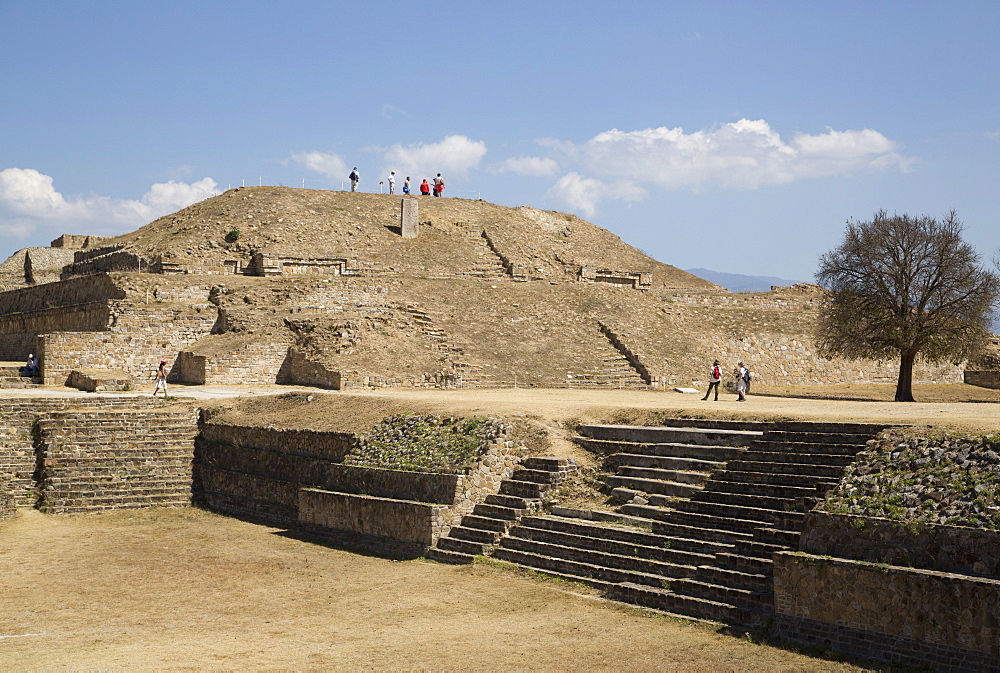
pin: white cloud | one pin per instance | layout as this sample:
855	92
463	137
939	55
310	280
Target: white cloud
29	203
454	155
582	194
531	166
330	165
741	155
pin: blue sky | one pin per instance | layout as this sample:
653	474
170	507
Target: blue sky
736	136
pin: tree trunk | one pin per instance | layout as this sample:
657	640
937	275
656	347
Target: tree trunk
904	385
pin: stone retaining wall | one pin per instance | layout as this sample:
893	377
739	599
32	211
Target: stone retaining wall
329	446
100	460
383	525
984	379
62	293
17	449
953	549
258	472
253	363
888	613
135	343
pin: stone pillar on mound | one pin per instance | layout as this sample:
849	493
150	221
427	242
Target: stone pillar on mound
409	218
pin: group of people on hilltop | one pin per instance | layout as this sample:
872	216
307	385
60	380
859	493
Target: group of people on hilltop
426	188
741	378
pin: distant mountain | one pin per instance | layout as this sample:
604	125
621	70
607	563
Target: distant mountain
737	282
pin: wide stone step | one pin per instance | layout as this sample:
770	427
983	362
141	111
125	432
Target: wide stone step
656	435
679	476
448	556
858	439
777	479
673	449
523	489
535	476
577	569
798	458
753	565
770	516
622	535
671	488
590	581
688	606
722	484
512	501
480	535
701	533
818	472
672	463
745	598
748	500
620	561
760	550
735	579
664	554
549	464
709	521
498	512
778	536
462	546
818	448
486	523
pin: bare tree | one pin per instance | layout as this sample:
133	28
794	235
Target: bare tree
905	286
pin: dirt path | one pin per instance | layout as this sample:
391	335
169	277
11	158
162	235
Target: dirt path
187	589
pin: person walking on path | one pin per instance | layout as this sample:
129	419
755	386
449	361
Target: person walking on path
438	185
406	185
392	182
425	188
355	178
747	378
161	379
714	377
741	383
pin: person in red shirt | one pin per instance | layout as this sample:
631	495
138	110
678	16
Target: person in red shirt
425	188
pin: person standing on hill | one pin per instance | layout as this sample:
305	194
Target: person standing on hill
406	185
714	377
355	178
438	185
425	188
392	182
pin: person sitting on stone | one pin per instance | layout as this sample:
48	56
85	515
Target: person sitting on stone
31	366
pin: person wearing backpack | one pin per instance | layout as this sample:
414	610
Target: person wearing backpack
747	378
714	377
355	178
742	376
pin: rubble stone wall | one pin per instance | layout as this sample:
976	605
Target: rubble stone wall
937	619
984	379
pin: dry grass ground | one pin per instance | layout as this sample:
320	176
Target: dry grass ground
186	589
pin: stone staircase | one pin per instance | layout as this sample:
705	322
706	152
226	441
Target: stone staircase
90	460
490	520
616	371
487	265
466	374
705	554
11	377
